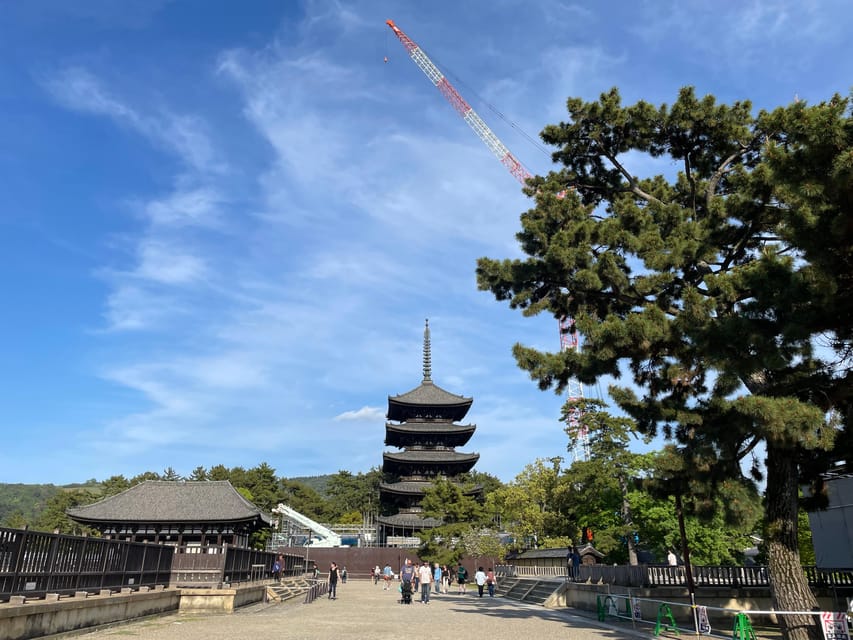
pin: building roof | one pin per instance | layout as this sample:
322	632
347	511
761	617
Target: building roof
443	433
427	399
413	487
430	394
430	456
409	520
169	501
438	426
558	552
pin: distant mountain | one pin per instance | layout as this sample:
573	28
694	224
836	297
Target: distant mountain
320	484
24	501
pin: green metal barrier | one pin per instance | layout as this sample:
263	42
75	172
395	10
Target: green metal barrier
665	622
742	628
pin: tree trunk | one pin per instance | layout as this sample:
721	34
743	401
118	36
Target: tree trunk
788	585
628	520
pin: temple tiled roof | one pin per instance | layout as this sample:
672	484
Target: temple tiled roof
417	488
411	488
431	456
167	501
430	394
430	427
409	520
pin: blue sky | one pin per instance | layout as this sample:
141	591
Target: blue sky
223	224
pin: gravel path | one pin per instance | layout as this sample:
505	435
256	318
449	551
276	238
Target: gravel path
363	610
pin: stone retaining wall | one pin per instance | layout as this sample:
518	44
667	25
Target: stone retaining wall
21	619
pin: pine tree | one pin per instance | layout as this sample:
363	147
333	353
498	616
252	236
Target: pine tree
710	288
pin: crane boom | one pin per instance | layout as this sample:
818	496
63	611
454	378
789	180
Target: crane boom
462	107
568	334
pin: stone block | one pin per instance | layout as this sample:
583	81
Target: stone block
105	592
18	600
51	597
81	594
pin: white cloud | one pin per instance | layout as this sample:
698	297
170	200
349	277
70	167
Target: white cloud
365	414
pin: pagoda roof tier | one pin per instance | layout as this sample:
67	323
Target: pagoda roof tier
408	433
409	520
447	462
428	400
168	501
410	488
417	488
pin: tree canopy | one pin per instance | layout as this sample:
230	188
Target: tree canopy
718	287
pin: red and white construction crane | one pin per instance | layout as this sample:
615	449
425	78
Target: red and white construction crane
462	107
568	334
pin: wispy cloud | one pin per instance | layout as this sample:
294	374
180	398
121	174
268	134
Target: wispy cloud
184	135
365	414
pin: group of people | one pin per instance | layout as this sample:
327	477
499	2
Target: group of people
428	578
416	577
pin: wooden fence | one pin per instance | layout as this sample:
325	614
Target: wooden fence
34	563
214	566
665	575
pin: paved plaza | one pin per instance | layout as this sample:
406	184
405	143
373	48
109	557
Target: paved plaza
364	611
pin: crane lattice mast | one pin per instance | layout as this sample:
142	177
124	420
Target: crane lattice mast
462	107
577	430
568	334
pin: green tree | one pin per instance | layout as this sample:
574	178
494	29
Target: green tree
701	286
219	473
142	477
461	515
171	475
603	483
353	493
263	484
528	508
199	474
54	518
114	485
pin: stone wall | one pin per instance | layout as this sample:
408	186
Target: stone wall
21	619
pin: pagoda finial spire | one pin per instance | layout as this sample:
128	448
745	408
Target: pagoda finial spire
427	355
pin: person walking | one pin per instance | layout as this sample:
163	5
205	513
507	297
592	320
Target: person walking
576	564
387	575
436	578
480	579
461	578
445	578
334	574
425	577
407	572
276	569
491	582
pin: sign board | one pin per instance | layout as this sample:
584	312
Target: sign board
834	626
704	623
636	611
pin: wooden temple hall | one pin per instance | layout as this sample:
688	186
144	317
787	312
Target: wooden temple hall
184	513
423	425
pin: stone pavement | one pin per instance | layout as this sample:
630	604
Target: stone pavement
364	611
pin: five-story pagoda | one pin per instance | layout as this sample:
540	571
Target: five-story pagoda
423	423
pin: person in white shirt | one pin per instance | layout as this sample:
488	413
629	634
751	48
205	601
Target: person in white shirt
425	577
480	579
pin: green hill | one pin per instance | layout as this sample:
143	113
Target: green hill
23	502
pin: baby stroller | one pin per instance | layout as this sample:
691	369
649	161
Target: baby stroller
405	592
